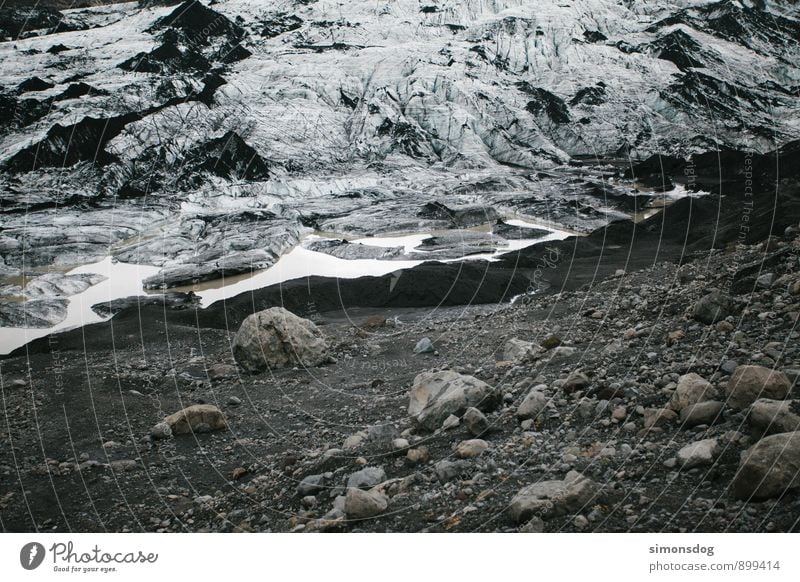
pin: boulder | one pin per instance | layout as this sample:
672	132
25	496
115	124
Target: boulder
196	418
562	353
436	395
446	470
366	478
701	413
713	307
749	383
277	338
654	417
698	453
769	468
553	498
517	350
471	448
311	485
161	431
475	421
533	404
692	389
574	382
360	504
424	346
774	416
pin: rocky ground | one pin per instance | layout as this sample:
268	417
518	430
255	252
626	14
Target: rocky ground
622	406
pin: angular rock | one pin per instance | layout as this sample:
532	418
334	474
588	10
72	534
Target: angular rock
277	338
366	478
354	441
311	485
749	383
769	469
698	453
360	504
196	418
451	422
713	307
533	404
553	498
436	395
161	430
475	421
382	434
222	371
424	346
692	389
775	416
446	470
562	353
701	413
574	382
517	350
654	417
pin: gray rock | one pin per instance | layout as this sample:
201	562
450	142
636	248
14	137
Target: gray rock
706	412
354	441
382	434
436	395
698	453
366	478
222	371
769	469
749	383
311	485
162	430
765	281
553	498
446	470
774	416
451	422
475	421
277	338
424	346
399	444
533	525
360	504
533	404
562	353
713	307
692	389
517	350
